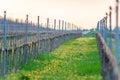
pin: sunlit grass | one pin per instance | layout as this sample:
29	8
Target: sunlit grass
74	60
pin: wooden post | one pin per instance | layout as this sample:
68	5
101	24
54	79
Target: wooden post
117	32
110	26
4	68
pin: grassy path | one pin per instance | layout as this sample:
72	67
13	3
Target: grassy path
74	60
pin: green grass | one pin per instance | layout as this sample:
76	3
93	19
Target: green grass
74	60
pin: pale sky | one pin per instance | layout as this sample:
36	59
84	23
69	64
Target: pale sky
84	13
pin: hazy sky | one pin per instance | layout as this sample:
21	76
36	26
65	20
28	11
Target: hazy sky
84	13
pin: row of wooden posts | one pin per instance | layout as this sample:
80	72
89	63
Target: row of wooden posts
19	46
109	46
